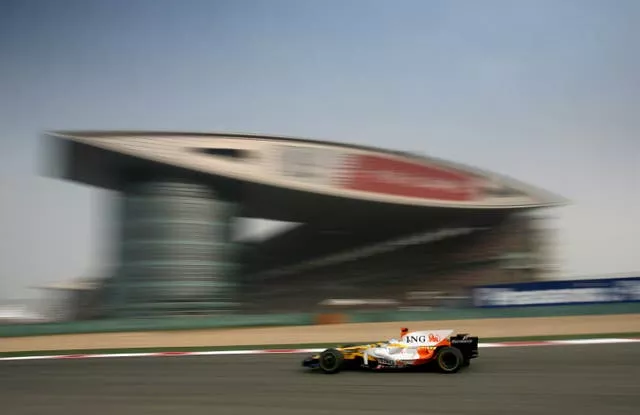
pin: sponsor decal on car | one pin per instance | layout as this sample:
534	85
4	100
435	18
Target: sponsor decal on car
423	338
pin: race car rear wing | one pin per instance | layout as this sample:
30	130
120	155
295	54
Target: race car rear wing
468	345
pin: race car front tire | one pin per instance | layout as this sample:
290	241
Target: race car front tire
449	360
331	361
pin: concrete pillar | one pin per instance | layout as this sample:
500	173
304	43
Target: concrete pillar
176	251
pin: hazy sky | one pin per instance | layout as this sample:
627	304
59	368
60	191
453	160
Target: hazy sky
545	91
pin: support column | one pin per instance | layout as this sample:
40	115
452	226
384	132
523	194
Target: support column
176	253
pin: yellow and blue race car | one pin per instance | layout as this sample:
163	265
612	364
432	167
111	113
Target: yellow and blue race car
418	349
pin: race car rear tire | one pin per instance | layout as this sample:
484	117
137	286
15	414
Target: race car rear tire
331	361
449	360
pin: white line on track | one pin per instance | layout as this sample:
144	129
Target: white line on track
292	351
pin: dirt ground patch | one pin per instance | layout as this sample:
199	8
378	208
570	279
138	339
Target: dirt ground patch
503	327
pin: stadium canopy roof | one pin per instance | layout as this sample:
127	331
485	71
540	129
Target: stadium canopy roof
298	180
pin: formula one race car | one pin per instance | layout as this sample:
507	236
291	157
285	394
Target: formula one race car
418	349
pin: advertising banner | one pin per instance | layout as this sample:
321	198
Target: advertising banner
338	169
389	176
591	291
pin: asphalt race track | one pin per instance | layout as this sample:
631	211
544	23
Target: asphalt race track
587	379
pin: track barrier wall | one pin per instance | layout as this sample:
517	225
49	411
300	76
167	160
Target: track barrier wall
557	293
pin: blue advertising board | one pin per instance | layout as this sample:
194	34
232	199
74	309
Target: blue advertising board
591	291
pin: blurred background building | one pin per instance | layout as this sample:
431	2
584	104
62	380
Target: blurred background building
376	229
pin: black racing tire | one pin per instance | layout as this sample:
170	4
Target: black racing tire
331	361
449	360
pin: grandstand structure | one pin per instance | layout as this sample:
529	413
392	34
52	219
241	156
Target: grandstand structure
374	228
